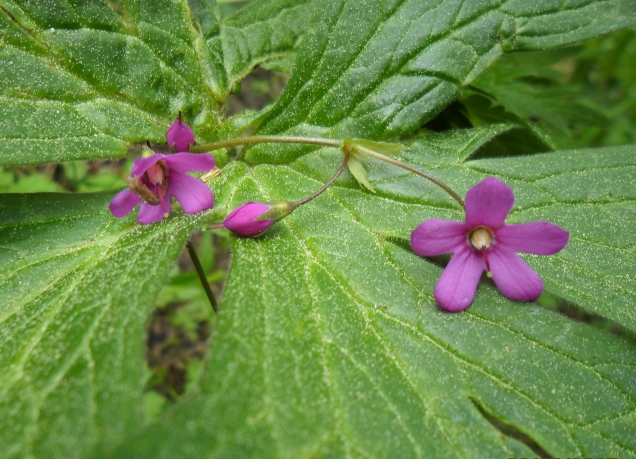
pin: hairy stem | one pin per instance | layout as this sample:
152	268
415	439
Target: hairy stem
397	163
335	176
202	276
265	139
347	148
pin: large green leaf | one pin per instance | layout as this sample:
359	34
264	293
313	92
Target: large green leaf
77	288
83	81
378	68
330	343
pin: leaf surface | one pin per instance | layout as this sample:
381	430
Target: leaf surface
264	33
78	286
376	69
105	77
330	343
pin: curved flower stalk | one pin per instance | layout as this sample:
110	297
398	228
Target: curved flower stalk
253	218
485	242
155	179
356	148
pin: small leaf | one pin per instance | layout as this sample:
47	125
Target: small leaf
357	170
261	33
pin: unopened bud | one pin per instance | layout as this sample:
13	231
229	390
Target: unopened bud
180	136
253	218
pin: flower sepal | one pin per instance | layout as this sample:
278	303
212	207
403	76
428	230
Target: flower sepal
385	148
277	211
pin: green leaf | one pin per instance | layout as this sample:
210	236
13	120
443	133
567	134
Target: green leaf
455	146
263	32
77	288
105	77
330	343
529	87
591	194
376	69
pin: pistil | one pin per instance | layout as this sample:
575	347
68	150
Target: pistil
481	239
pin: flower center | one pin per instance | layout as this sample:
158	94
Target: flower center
481	238
152	185
155	174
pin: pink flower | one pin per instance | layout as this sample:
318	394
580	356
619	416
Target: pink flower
180	136
485	242
157	178
252	218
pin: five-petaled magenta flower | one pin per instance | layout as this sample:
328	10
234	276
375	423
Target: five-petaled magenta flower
252	218
485	242
180	136
157	178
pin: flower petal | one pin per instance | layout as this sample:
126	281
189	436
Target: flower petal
193	195
488	203
437	237
123	203
539	238
185	162
513	276
142	164
456	286
149	213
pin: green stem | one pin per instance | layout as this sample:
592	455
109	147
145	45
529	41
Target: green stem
253	140
335	176
397	163
202	276
265	139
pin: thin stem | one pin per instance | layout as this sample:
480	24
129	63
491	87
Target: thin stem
252	140
395	162
202	277
335	176
265	139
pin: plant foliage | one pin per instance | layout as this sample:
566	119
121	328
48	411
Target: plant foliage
329	342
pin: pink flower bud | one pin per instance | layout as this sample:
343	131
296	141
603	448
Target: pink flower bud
253	218
180	136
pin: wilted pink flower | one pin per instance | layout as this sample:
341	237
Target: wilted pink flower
157	178
253	218
485	242
180	136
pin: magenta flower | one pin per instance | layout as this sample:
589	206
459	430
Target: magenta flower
252	218
157	178
180	136
485	242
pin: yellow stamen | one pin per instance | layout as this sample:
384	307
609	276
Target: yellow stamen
481	238
210	175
